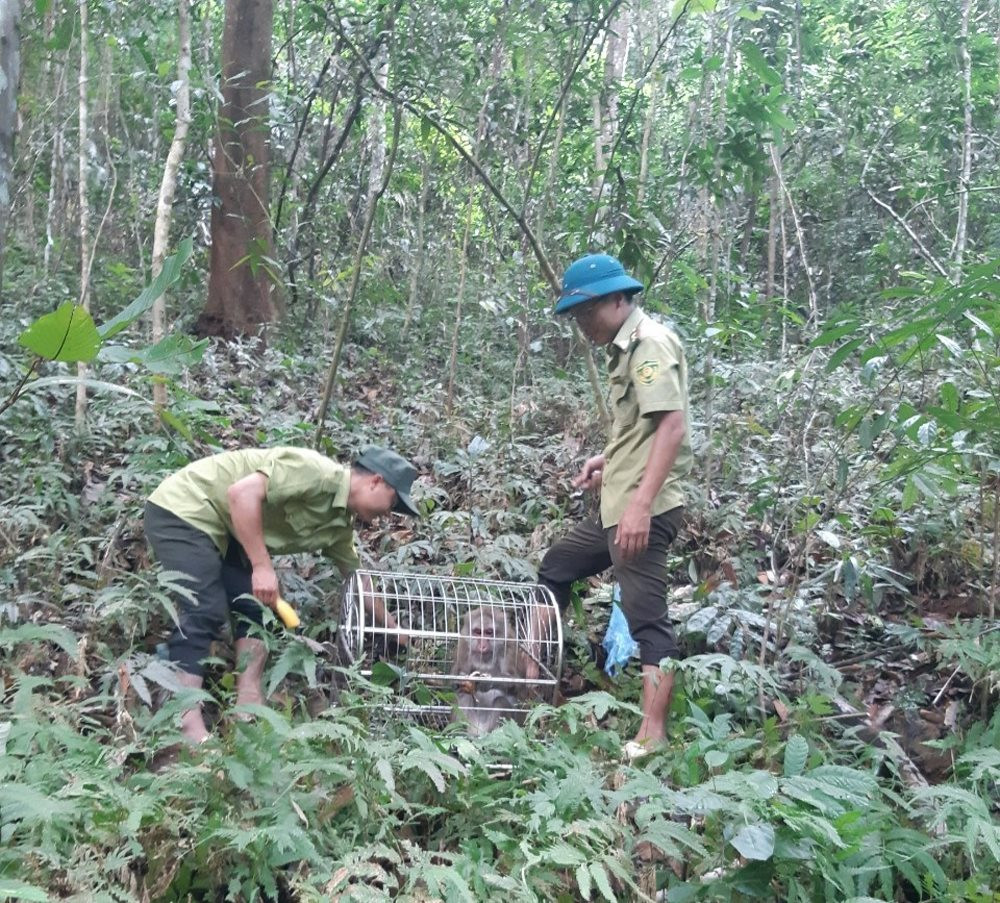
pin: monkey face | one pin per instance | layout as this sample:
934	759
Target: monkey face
484	641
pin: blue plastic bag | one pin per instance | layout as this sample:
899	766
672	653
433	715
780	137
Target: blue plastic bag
618	642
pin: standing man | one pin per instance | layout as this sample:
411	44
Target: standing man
219	520
647	454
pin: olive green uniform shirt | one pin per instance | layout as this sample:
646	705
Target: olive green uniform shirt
648	376
305	508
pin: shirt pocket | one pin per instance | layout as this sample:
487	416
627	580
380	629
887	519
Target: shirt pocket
624	405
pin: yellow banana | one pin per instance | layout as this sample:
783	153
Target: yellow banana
287	614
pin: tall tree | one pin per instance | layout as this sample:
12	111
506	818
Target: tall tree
242	292
86	258
168	185
10	71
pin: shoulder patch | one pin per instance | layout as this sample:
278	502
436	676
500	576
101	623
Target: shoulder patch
647	372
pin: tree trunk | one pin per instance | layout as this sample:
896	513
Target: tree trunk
713	223
965	175
550	179
772	245
53	216
800	237
168	185
345	318
10	74
459	295
242	294
418	255
376	127
85	257
606	106
647	131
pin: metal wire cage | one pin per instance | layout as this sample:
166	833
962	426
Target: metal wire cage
422	625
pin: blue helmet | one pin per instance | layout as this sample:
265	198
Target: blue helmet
593	276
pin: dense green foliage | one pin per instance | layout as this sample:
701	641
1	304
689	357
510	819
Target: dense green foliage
788	179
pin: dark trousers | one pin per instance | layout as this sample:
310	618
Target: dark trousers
589	548
216	583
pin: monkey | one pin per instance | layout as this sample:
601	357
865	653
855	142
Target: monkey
486	648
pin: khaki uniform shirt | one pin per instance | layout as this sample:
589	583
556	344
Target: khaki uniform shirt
305	508
648	376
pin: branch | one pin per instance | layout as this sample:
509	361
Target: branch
587	44
518	217
905	226
356	279
313	94
631	110
20	386
429	118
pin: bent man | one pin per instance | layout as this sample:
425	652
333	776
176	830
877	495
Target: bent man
638	474
219	520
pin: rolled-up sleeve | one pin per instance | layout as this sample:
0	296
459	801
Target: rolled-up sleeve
656	376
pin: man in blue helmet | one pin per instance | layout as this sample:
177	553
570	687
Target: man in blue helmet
639	473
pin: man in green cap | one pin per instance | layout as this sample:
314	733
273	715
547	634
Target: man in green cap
639	473
219	520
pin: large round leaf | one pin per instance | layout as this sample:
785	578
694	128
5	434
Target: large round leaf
68	334
755	842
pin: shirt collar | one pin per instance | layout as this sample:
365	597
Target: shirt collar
343	489
628	332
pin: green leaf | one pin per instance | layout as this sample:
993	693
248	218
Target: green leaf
41	633
97	385
19	890
384	769
167	276
980	323
926	484
62	35
34	807
600	874
949	396
170	356
161	673
796	754
907	331
950	344
755	842
693	6
716	758
843	353
834	334
385	674
755	60
177	423
583	881
781	121
563	854
433	772
67	334
829	537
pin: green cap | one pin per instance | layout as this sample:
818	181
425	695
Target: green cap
395	470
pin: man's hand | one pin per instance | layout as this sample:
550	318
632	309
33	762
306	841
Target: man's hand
632	535
591	473
264	583
246	501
